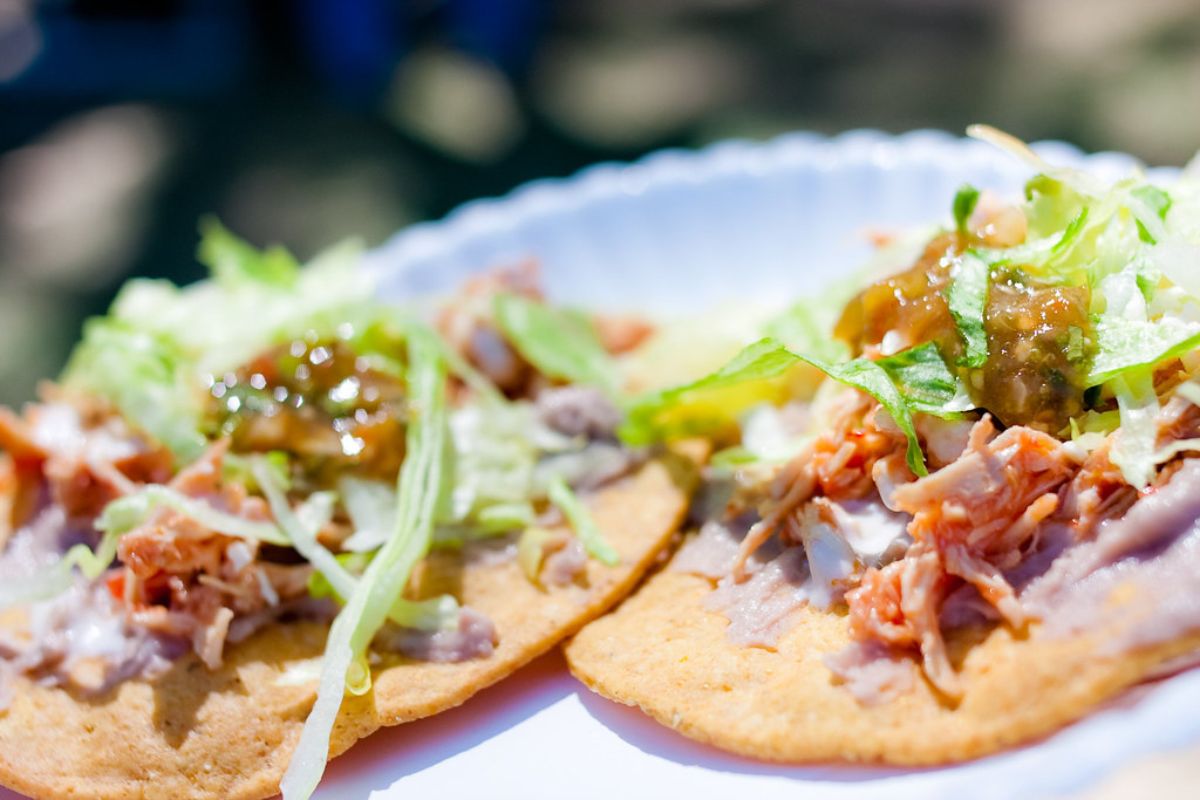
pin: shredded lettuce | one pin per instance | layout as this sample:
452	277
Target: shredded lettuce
585	527
1076	182
647	417
967	300
560	343
319	587
1079	228
871	377
915	380
158	344
1052	257
1157	203
371	506
1135	246
1051	205
531	551
302	525
336	572
1131	244
143	374
505	517
126	513
1134	449
807	327
498	451
432	614
1070	236
1125	344
220	324
495	450
234	262
419	489
236	468
1128	346
118	518
927	384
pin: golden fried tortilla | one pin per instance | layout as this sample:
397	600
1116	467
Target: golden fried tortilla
230	733
662	651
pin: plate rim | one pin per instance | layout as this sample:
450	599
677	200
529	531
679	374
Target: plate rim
541	197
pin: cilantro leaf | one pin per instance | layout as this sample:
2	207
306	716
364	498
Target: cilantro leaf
965	201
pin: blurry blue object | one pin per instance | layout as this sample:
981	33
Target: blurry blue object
504	32
180	48
130	48
354	44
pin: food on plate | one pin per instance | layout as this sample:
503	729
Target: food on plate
264	515
954	515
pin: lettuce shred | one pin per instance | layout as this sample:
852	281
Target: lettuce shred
1123	344
1133	451
589	534
912	381
561	343
807	326
118	518
152	352
419	491
143	374
966	298
126	513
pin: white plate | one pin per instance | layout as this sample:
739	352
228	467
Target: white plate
681	231
676	232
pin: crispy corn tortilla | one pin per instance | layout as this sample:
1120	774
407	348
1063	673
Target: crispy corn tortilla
230	733
662	651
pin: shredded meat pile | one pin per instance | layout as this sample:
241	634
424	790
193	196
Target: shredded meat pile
975	519
971	520
86	454
860	449
184	580
178	578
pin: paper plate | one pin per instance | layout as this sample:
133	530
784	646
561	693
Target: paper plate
679	232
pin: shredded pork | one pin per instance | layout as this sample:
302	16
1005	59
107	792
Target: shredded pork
971	520
87	455
860	453
468	326
184	580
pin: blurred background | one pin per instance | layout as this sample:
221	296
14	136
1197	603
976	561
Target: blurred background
124	121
